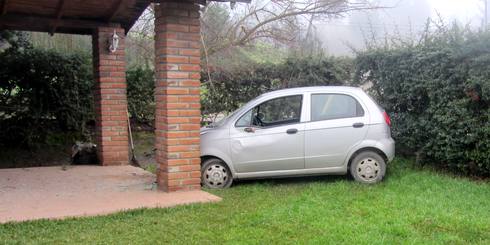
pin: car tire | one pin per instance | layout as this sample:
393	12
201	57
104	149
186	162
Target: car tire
368	167
215	174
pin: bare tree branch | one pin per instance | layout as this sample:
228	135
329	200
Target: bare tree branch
275	19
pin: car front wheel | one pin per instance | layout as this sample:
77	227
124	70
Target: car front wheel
368	167
215	174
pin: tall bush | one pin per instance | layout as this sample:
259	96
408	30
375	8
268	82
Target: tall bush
225	91
141	100
42	91
437	92
228	89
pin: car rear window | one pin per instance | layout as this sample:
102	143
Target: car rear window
334	106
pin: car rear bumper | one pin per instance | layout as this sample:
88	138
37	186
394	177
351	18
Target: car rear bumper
388	147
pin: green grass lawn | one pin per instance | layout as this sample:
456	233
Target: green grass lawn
410	206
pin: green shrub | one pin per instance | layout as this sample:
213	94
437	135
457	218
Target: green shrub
141	99
41	91
228	90
437	92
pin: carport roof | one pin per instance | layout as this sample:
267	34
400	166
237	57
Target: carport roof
73	16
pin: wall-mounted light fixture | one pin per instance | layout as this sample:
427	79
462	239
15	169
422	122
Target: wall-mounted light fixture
113	42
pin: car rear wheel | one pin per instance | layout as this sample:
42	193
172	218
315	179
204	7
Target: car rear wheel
368	167
215	174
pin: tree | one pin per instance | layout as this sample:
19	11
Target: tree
140	46
278	20
13	41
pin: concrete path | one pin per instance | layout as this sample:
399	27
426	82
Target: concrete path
53	193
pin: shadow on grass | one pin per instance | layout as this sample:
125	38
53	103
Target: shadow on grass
303	180
395	170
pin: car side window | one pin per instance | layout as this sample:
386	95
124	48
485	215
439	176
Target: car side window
245	120
334	106
275	112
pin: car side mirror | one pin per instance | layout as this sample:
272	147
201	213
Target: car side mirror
249	130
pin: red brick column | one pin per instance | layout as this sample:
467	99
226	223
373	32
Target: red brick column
110	98
177	52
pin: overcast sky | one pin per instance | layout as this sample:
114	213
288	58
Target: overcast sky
406	16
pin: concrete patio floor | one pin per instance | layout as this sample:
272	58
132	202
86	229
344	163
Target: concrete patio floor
53	193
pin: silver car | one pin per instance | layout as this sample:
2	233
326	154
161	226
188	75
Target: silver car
299	132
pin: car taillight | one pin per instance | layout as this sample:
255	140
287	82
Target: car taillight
387	118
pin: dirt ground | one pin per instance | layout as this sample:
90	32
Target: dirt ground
61	154
144	149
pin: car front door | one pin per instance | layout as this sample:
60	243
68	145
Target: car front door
269	137
337	123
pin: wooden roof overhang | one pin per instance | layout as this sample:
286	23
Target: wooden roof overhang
73	16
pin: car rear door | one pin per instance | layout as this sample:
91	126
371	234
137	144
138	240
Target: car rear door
269	137
337	122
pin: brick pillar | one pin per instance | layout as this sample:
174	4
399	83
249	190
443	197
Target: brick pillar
110	98
177	65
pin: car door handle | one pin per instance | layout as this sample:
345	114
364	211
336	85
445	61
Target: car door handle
358	125
292	131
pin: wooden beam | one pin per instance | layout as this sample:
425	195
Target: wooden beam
3	7
58	15
115	9
44	24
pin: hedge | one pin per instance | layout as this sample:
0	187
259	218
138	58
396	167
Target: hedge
437	92
41	92
225	91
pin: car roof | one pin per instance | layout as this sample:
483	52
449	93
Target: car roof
313	89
